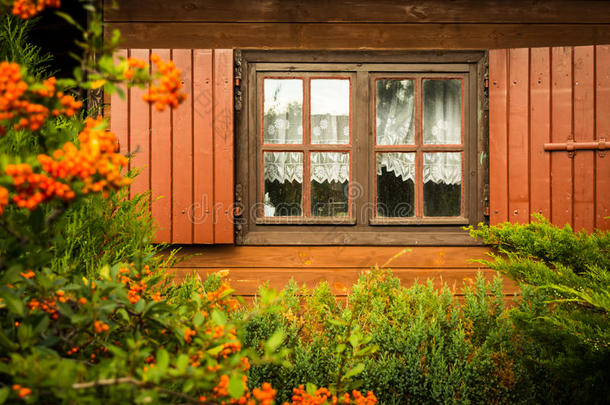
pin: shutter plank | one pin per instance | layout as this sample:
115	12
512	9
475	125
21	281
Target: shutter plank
518	136
602	174
561	113
498	136
182	173
223	146
119	112
203	147
584	124
540	131
139	133
160	166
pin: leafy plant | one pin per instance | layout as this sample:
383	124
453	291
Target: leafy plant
565	308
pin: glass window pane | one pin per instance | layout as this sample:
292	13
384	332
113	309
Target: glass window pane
442	184
395	184
283	109
329	184
330	111
283	184
395	114
442	111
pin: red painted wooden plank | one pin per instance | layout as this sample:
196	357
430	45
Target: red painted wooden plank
540	131
183	152
223	146
139	132
119	112
203	147
602	174
584	128
518	135
160	166
561	115
498	135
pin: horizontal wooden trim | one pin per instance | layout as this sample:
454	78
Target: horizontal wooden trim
390	11
358	56
295	257
358	36
334	236
306	221
393	69
248	281
418	221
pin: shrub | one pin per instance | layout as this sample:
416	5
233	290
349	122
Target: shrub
407	345
564	312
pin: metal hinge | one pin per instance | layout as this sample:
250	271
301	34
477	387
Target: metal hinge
237	74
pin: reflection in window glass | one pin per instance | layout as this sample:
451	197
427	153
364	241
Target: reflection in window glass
330	111
283	184
395	184
283	109
395	112
442	111
442	184
329	184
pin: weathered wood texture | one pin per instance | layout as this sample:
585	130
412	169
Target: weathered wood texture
361	24
251	266
544	95
192	192
345	11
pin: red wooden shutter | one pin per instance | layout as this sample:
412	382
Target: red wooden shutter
550	95
185	155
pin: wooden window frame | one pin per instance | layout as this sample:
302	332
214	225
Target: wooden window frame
363	228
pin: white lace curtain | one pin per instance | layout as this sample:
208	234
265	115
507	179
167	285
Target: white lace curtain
334	166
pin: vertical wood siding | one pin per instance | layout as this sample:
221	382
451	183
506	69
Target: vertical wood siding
186	155
543	95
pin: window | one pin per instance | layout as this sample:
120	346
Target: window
352	149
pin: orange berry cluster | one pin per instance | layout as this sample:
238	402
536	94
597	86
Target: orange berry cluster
136	288
133	63
262	396
323	396
227	303
47	305
100	327
29	8
3	199
27	274
14	104
22	392
33	188
95	163
167	93
188	335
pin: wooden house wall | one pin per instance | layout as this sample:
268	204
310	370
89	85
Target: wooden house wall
555	90
549	95
360	24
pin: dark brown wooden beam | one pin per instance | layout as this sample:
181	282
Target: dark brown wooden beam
370	11
359	36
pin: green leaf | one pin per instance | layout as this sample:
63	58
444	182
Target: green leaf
341	348
311	388
13	303
353	340
357	369
214	351
275	340
4	393
198	319
219	317
12	275
6	342
236	386
162	359
69	19
182	362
